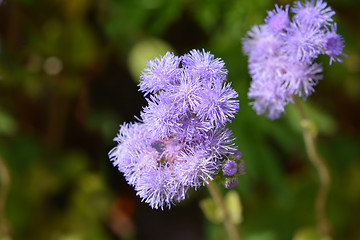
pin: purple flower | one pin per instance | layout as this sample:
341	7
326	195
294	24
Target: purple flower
156	187
270	97
334	45
204	65
301	78
230	183
242	167
161	116
160	73
181	138
314	12
196	166
188	93
302	43
282	51
236	154
220	140
218	104
260	43
278	19
230	168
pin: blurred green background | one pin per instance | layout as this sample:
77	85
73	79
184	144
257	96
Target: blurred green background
69	71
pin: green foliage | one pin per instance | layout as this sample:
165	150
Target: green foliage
142	52
7	124
214	213
309	233
211	210
68	75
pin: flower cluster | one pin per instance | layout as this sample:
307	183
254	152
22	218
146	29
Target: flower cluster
282	51
181	140
232	168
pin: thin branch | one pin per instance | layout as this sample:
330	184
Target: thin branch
322	169
229	224
4	187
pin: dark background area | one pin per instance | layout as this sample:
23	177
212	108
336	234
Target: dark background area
69	72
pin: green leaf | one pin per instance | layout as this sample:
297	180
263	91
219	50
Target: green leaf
323	122
308	233
233	204
7	123
262	236
211	210
5	238
142	52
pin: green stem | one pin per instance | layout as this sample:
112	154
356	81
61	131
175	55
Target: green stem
229	224
4	183
322	169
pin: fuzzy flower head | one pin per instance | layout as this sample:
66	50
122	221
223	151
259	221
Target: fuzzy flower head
182	138
300	79
314	12
242	167
230	183
302	43
260	43
204	65
160	73
334	45
236	154
282	53
230	168
278	19
270	97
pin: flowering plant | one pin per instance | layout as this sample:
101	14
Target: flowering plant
281	63
181	140
282	52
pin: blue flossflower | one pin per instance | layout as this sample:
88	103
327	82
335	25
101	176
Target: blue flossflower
230	183
302	42
181	138
278	19
334	45
282	51
314	12
230	168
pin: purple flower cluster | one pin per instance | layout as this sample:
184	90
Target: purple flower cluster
232	168
282	52
181	138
